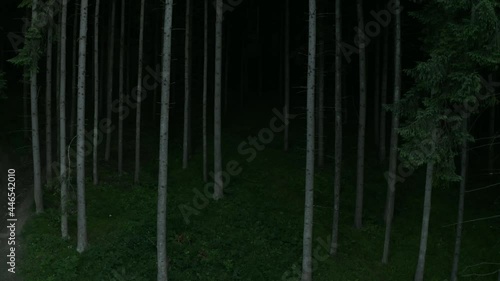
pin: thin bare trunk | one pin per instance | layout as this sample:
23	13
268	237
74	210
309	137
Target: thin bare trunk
393	153
383	99
461	203
287	74
419	274
187	85
162	259
120	89
96	92
35	141
80	145
48	107
205	92
110	79
309	186
358	216
62	125
376	96
338	126
74	74
139	98
218	184
321	105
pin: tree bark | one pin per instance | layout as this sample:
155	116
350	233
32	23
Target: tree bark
187	85
376	96
35	141
139	97
419	275
110	79
218	185
121	89
309	186
287	74
321	104
80	160
358	217
62	124
205	92
338	126
461	203
96	93
393	153
74	74
48	108
162	258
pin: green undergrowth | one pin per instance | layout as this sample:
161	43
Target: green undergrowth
255	233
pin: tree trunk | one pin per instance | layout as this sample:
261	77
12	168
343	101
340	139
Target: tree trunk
338	126
161	243
74	74
383	99
393	153
491	148
321	105
110	79
80	160
419	275
120	89
460	217
62	125
187	85
358	217
218	185
309	186
48	107
376	98
35	141
96	93
205	92
287	74
139	98
58	89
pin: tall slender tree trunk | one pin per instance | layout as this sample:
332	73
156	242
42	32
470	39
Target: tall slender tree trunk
338	126
161	243
187	85
74	74
358	216
287	74
80	160
139	97
419	274
383	99
309	186
58	88
96	93
120	89
321	104
205	91
491	148
48	107
376	95
110	79
393	153
461	200
62	125
219	189
35	141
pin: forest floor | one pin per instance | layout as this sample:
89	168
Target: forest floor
255	233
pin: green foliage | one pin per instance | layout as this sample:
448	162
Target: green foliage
461	41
